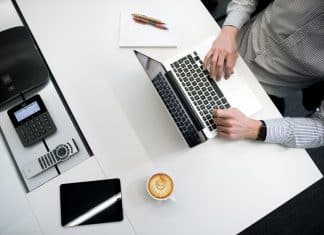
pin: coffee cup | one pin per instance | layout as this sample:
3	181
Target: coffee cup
160	187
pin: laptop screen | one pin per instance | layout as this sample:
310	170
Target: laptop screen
151	66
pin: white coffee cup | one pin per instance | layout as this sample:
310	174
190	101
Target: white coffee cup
160	187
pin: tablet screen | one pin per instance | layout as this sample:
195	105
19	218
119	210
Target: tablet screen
91	202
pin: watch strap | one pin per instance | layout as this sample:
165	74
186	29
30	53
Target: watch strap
262	134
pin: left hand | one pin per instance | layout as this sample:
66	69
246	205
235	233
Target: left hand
234	125
223	53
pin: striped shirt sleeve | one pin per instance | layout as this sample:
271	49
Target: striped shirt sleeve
239	12
297	132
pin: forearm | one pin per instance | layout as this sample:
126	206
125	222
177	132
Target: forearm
296	132
239	12
293	132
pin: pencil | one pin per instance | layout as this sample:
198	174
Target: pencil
154	20
142	21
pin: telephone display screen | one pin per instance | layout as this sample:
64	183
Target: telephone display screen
27	111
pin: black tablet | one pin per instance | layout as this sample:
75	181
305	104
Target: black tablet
91	202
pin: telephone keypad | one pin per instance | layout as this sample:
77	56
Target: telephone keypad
36	129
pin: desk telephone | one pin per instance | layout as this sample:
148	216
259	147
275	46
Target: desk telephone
32	121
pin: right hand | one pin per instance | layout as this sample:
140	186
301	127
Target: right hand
223	54
234	125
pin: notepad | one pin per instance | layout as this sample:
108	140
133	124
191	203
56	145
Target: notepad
133	34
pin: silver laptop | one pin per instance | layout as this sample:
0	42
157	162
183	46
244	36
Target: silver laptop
190	94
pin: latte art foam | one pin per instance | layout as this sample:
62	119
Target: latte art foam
160	186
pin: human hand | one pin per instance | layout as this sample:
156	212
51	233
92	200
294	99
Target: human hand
233	124
223	54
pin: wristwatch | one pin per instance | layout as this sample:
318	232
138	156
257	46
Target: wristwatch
262	131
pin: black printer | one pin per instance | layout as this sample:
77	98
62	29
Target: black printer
21	66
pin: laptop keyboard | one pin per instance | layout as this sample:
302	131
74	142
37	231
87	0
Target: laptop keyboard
203	94
178	113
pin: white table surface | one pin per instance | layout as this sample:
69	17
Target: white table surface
221	187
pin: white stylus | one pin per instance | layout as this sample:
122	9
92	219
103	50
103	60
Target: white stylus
94	211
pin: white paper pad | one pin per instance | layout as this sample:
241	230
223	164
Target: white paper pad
133	34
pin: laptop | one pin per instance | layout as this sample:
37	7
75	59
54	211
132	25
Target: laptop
190	94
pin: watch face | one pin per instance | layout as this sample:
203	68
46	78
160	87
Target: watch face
62	151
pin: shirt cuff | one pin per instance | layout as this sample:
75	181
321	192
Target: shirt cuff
236	19
278	131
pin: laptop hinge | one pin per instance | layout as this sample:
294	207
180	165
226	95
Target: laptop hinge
188	107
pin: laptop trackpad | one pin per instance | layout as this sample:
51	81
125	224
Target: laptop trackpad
239	95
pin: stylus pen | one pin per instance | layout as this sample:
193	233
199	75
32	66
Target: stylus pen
94	211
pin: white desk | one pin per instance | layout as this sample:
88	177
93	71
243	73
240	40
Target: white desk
221	187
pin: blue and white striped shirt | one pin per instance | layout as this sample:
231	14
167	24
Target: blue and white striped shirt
284	48
297	132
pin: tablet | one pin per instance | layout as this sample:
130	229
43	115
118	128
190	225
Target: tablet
91	202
